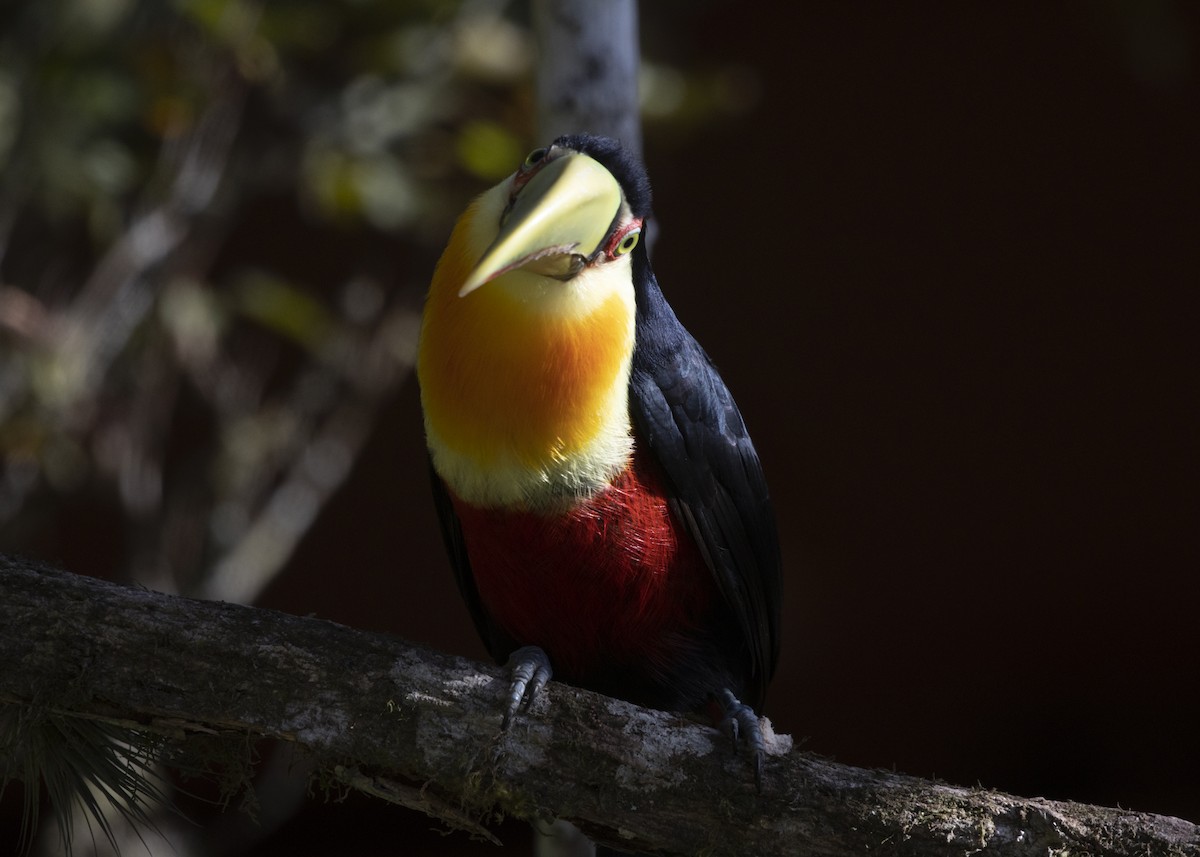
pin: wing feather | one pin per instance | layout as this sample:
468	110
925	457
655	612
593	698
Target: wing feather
683	411
499	644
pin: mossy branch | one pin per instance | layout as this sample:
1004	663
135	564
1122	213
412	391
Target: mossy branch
421	729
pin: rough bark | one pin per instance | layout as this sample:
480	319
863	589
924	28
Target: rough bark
421	729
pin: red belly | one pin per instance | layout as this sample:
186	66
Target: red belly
614	584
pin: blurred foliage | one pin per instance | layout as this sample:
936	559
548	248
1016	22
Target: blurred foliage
216	222
221	212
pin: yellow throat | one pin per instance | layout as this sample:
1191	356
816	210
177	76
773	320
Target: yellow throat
524	380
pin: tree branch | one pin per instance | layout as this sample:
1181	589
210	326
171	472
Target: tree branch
421	729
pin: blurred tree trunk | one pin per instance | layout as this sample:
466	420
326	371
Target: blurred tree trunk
587	71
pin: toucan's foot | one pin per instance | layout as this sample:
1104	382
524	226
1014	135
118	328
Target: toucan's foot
531	669
740	723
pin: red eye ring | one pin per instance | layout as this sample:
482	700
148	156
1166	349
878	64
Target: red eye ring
624	239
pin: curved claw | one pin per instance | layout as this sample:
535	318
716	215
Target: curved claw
531	670
740	722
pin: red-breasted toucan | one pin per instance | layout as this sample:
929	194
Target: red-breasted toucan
601	501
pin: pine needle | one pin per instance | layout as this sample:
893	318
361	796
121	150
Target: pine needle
86	763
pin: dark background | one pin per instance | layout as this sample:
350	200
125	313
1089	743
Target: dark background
944	255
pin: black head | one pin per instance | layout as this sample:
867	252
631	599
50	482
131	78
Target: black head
626	167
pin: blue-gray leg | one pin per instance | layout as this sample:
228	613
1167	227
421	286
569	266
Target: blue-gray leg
530	669
740	722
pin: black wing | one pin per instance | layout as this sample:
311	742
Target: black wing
685	414
499	644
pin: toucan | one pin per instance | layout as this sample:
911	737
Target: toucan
602	504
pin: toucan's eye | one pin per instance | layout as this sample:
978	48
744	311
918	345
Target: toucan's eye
535	157
624	239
